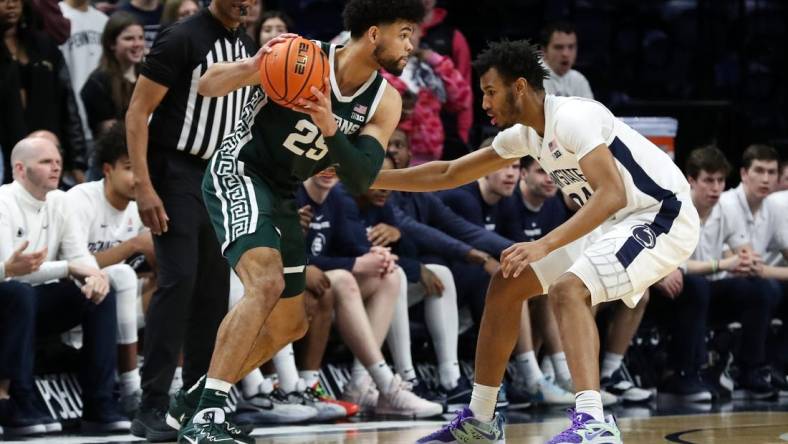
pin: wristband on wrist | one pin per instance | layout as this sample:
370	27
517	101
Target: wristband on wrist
715	265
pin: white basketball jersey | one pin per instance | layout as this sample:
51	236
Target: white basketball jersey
574	127
103	225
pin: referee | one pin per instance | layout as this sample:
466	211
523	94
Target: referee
168	156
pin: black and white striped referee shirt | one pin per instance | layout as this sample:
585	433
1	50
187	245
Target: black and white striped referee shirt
184	120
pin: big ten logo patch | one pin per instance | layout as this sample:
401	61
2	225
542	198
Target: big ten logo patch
302	58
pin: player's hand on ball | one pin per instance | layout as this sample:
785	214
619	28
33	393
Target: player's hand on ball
515	258
319	110
281	38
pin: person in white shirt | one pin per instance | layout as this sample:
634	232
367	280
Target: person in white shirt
782	183
718	287
763	217
35	220
636	224
559	47
82	50
108	219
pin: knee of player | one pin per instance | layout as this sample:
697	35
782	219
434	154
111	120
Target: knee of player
266	287
122	278
566	290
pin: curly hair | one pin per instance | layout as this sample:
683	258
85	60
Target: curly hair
512	60
360	15
111	145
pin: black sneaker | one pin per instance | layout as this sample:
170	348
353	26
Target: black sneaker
780	381
755	384
33	409
17	420
103	417
459	396
620	383
503	400
685	387
423	391
150	424
516	395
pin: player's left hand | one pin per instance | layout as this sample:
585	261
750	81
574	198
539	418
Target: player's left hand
316	281
515	258
319	110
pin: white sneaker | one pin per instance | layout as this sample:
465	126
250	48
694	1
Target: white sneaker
398	400
608	398
546	392
266	407
325	411
362	393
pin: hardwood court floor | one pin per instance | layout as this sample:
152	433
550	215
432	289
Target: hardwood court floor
715	428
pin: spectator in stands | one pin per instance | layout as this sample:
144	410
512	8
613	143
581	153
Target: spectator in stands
35	217
47	98
175	10
251	17
424	281
715	286
148	13
12	125
425	219
559	46
489	203
437	86
82	51
108	90
359	272
269	25
107	217
761	218
448	41
782	183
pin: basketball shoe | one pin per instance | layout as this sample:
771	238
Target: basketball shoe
587	430
209	426
362	393
464	428
265	407
620	384
326	411
320	393
398	400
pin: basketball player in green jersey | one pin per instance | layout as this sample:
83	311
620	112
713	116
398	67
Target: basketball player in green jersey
250	184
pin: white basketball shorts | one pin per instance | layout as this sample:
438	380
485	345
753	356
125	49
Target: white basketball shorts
622	258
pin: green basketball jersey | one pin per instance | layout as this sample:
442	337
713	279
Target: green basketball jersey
285	147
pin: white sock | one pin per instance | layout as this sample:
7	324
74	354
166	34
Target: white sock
560	367
398	338
449	374
129	382
590	402
483	399
357	372
217	384
610	363
547	368
382	375
311	377
528	367
284	361
442	319
250	385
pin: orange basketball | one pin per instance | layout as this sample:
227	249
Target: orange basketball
291	69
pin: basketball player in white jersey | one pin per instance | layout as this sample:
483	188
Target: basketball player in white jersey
636	224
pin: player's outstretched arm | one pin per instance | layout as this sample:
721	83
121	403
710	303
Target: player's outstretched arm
442	175
223	78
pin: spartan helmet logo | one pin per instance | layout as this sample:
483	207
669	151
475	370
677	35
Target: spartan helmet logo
645	235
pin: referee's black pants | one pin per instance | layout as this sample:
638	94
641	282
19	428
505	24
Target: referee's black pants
193	281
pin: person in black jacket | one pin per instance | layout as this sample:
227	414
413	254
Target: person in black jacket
12	125
45	92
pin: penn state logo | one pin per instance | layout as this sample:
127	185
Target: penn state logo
318	243
644	235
